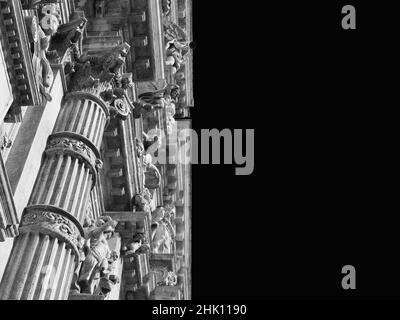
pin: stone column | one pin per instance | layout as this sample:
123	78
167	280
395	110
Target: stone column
44	255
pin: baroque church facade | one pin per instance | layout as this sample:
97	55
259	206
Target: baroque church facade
95	129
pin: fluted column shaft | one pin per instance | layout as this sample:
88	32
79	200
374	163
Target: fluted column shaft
44	255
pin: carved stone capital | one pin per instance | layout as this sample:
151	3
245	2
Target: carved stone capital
77	146
54	222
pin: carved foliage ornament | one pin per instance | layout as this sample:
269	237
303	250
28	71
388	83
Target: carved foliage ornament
54	224
76	148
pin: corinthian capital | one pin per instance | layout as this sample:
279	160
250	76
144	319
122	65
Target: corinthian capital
101	75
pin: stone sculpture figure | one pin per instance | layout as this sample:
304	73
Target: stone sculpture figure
108	277
138	245
30	4
143	201
49	23
97	252
102	75
162	234
152	177
160	97
68	35
151	142
91	70
176	53
165	99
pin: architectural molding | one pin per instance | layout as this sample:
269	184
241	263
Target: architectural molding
8	214
54	222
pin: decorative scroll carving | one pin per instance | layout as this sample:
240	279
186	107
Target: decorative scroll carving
99	258
77	146
51	41
117	98
54	224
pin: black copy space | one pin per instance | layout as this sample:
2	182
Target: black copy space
323	193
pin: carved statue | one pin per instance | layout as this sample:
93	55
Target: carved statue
92	70
164	98
176	53
48	25
177	46
152	177
162	231
68	34
145	150
50	41
138	245
97	253
160	97
151	143
108	277
102	75
139	148
143	201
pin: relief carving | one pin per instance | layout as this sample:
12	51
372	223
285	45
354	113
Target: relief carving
52	223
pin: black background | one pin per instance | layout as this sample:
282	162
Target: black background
324	191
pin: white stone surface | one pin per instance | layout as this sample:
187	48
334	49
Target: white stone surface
32	163
6	96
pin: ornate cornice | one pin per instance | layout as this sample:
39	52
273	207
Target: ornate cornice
55	222
17	52
77	146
